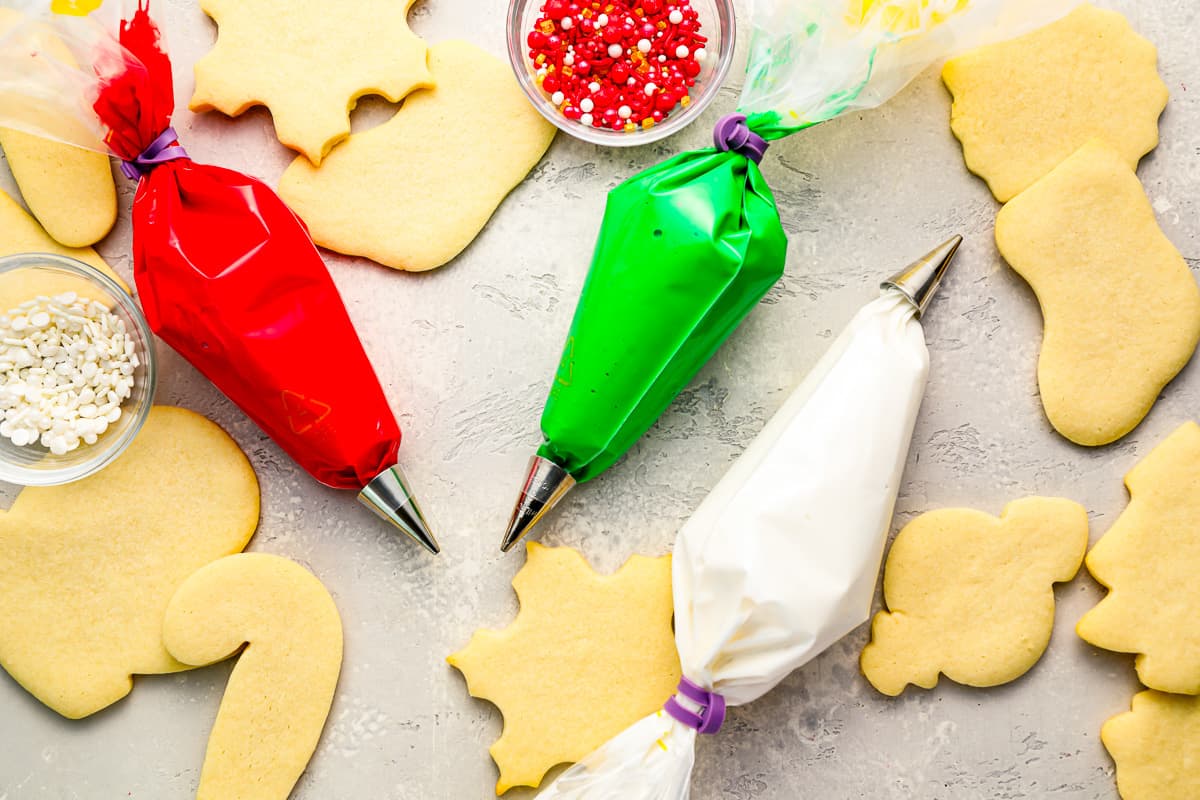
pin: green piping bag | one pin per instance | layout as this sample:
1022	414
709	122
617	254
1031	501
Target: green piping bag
688	247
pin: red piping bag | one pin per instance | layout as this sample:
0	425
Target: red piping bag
229	277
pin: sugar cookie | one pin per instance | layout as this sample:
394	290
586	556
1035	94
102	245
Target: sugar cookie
587	656
1149	560
971	596
308	61
87	569
1120	306
20	233
1022	106
428	195
281	689
70	190
1156	747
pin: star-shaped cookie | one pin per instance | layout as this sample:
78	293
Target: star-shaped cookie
308	61
587	656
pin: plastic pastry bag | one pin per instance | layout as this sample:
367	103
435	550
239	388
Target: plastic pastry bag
688	247
780	559
226	273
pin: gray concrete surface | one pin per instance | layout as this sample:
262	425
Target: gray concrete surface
466	354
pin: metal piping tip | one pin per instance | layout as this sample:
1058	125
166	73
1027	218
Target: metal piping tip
388	496
545	484
918	282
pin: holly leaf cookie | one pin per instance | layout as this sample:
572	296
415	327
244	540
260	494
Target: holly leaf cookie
1148	560
308	61
282	686
437	170
971	596
587	656
1121	309
87	568
1022	106
1156	747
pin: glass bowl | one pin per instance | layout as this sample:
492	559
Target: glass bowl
717	22
24	277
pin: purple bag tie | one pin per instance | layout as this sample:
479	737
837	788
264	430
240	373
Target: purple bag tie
160	151
733	134
711	715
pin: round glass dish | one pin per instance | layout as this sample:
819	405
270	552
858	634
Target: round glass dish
717	22
24	277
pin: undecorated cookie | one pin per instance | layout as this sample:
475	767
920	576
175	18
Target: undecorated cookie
281	689
308	61
1156	747
971	596
87	569
587	656
1022	106
1120	307
70	190
1149	560
414	191
20	233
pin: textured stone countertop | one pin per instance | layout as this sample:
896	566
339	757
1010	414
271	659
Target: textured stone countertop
466	354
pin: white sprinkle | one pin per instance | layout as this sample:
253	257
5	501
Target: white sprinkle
624	112
569	59
566	23
700	55
601	20
631	81
58	357
662	58
586	119
644	45
593	87
650	87
557	98
675	17
586	104
614	51
681	51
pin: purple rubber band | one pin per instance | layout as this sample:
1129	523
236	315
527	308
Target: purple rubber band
160	151
732	133
711	715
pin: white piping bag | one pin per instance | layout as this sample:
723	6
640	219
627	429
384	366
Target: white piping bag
780	559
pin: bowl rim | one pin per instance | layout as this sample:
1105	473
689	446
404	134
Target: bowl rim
23	476
516	58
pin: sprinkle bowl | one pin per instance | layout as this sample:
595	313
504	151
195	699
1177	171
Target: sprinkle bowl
28	276
717	23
